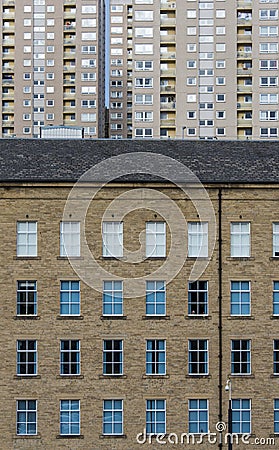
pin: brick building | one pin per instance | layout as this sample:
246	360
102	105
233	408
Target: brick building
96	349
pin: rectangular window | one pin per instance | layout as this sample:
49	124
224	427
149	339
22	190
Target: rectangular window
113	298
69	417
113	417
70	298
113	239
276	357
155	416
240	239
70	239
240	298
241	357
113	357
155	239
27	239
197	239
26	417
276	415
26	298
155	357
198	416
276	298
241	416
198	356
26	357
69	357
155	298
198	298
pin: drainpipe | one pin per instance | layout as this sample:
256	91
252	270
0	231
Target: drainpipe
220	417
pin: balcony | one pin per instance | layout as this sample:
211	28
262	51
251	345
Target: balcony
70	41
168	105
244	38
168	72
245	55
244	4
244	105
69	82
244	122
165	5
69	2
8	2
7	69
168	88
167	55
69	68
244	71
8	15
245	89
168	22
69	95
8	42
167	122
169	38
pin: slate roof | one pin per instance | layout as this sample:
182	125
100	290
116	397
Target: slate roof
63	160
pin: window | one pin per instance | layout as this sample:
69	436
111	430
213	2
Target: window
88	77
144	82
268	14
275	228
155	416
113	417
191	13
276	357
191	98
69	357
220	64
198	416
155	239
240	239
240	298
269	115
88	36
155	298
143	116
220	114
197	239
220	47
198	298
191	131
268	132
198	356
88	9
144	32
70	239
268	64
268	98
69	298
113	298
241	416
90	49
269	31
191	64
220	131
143	49
141	133
88	117
269	47
276	415
26	417
191	114
268	81
220	13
113	239
220	97
143	15
155	357
26	298
113	357
88	23
241	357
143	99
26	357
27	239
69	417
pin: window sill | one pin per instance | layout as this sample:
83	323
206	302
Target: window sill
70	317
27	317
274	258
240	317
243	375
25	377
113	317
198	317
71	377
70	436
200	258
194	376
274	317
66	258
36	258
155	317
110	377
274	375
113	436
240	258
150	377
28	436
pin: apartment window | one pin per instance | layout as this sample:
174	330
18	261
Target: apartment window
191	81
155	357
220	114
144	32
143	49
269	115
155	416
206	106
69	357
198	298
269	47
144	82
26	239
240	239
198	356
191	13
113	417
220	97
220	47
268	132
27	9
26	298
191	131
155	298
88	117
268	14
26	35
26	417
70	298
88	36
191	31
143	16
268	81
220	13
191	64
113	357
88	23
275	229
268	64
276	415
155	239
116	30
50	22
88	90
50	8
88	103
26	130
240	298
88	9
90	49
191	47
88	63
241	357
268	98
26	116
191	114
116	62
197	239
50	116
69	417
144	65
206	123
191	98
144	99
26	357
70	239
50	62
220	30
50	103
143	116
241	416
269	31
220	80
220	131
141	133
113	298
198	416
112	239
